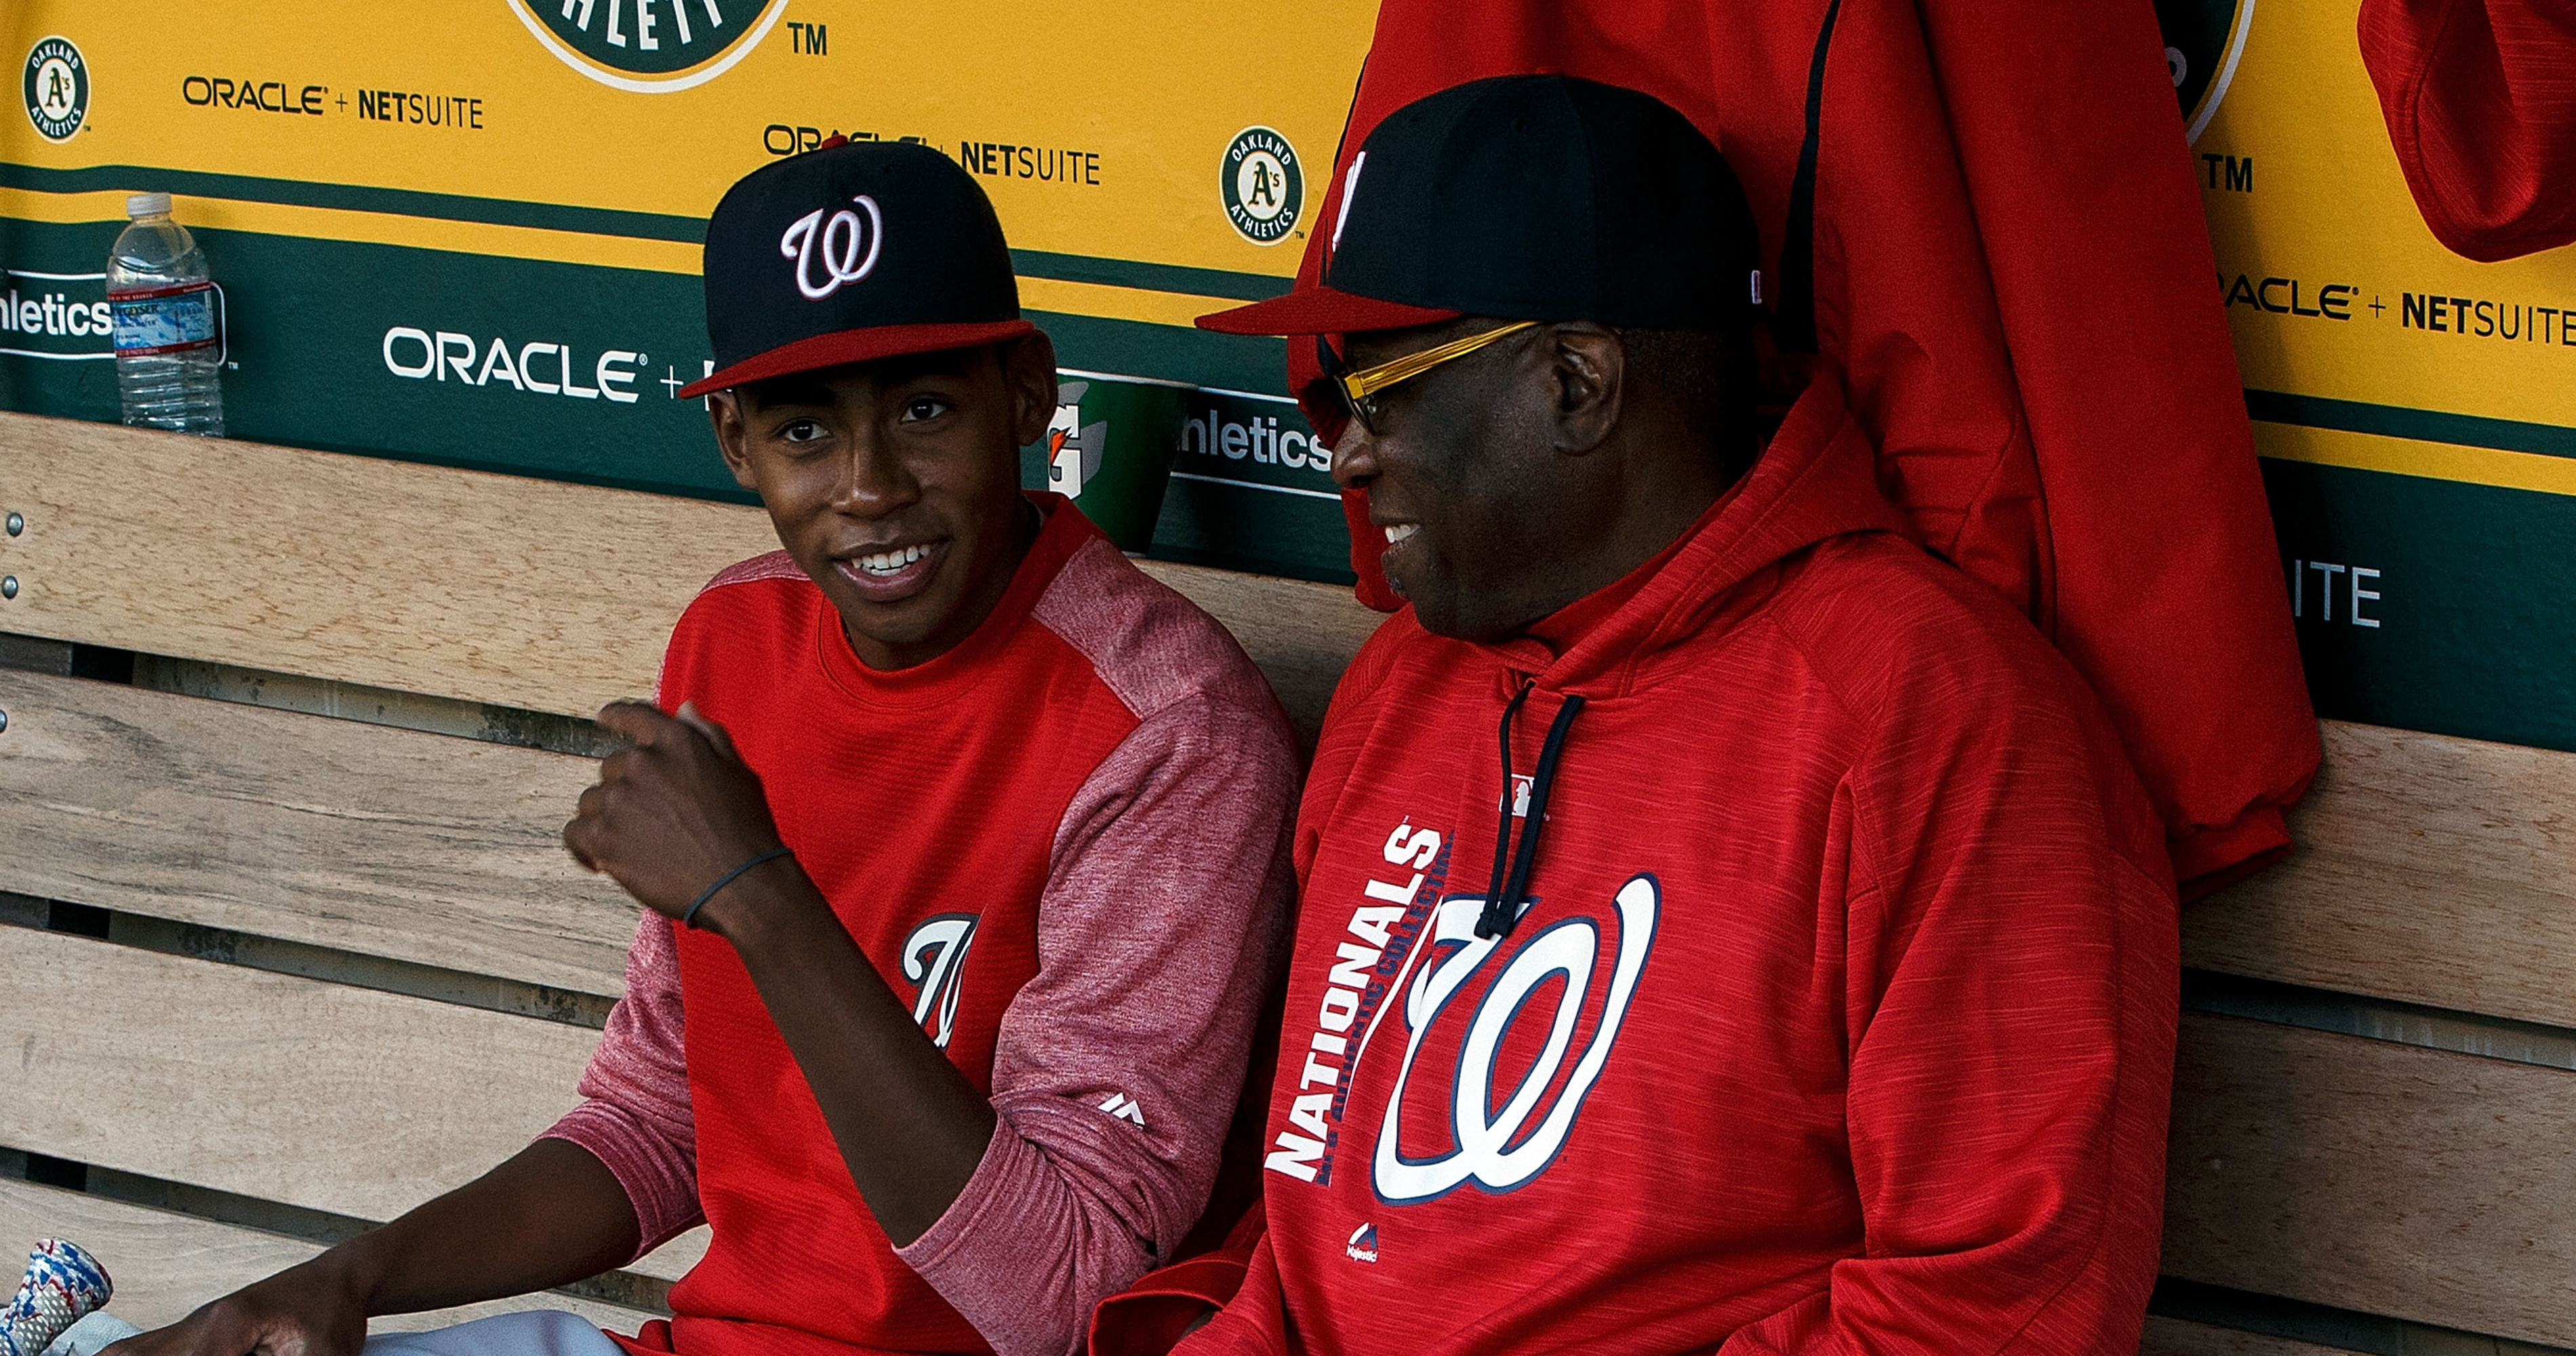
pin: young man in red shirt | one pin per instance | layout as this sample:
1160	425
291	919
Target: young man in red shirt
1724	925
963	845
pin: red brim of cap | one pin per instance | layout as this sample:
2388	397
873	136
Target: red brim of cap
1322	310
856	346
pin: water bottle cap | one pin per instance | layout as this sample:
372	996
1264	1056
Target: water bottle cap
141	205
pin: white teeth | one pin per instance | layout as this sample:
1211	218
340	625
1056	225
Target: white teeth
1401	531
889	562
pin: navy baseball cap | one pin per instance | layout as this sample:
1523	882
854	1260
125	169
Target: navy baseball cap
1529	197
849	253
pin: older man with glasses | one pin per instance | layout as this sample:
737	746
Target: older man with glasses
1724	924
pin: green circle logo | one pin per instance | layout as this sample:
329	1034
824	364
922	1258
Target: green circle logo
650	46
2203	40
1263	186
57	89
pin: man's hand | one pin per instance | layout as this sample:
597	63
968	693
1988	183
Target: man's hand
305	1311
551	1214
669	818
672	814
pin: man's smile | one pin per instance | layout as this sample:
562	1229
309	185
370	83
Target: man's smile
893	573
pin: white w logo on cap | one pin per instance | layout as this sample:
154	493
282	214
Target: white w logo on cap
838	243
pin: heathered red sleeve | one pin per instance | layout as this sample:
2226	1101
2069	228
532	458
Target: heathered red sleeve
1119	1064
2011	983
634	1115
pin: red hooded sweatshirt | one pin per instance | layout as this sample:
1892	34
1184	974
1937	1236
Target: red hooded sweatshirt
1841	1014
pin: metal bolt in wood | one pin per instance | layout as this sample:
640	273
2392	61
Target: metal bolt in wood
8	586
17	524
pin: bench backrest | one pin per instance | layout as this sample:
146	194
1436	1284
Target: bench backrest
332	958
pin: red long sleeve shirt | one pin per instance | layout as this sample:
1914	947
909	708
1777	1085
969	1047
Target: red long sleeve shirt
1841	1015
1064	844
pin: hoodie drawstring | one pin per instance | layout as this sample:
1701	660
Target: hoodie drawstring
1503	897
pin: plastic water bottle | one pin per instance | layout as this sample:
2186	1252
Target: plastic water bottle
168	358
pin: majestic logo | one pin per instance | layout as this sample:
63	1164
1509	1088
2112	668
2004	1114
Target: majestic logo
2204	39
845	247
1124	1108
1501	1136
1074	448
650	46
933	957
1363	1244
1264	188
57	89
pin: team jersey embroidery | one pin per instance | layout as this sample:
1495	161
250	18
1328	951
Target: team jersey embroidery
934	957
1502	1150
1410	950
1378	941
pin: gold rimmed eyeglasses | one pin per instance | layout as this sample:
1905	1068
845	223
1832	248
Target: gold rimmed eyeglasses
1357	391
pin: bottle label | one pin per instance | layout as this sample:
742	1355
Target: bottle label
158	320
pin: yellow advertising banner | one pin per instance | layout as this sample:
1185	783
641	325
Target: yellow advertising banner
539	171
2416	410
2334	286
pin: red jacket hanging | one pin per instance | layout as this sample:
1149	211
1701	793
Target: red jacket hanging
2480	97
2012	268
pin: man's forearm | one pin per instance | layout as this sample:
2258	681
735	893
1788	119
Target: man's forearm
551	1214
909	1125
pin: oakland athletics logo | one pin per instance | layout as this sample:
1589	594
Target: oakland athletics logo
57	89
2204	39
1500	1149
650	46
1263	186
933	956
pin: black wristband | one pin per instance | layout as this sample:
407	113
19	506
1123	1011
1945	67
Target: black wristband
689	916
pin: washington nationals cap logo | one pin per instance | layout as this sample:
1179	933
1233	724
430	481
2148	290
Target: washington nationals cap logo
1501	1137
843	249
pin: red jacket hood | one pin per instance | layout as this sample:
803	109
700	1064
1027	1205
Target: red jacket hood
1816	481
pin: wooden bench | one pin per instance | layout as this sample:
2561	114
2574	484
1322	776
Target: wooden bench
297	946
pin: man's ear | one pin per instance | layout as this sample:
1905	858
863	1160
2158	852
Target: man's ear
1028	370
733	435
1591	383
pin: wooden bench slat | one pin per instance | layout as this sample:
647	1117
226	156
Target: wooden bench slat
165	1265
2182	1337
489	588
419	847
2390	1179
2431	870
320	1095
